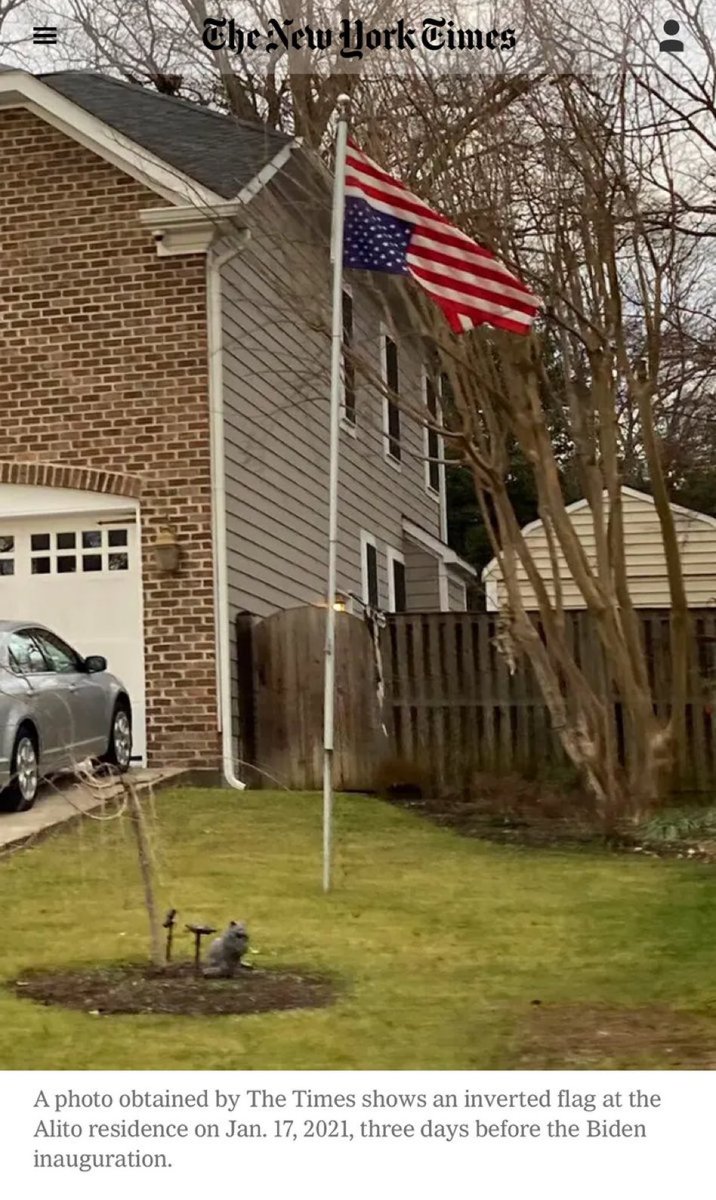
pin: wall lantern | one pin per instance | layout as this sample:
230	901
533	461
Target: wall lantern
342	602
166	551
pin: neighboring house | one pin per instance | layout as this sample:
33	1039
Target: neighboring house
646	565
160	394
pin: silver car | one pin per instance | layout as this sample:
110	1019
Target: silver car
57	709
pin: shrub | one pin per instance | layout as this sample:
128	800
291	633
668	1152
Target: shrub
401	778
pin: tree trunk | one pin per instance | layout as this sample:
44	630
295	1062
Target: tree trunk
146	866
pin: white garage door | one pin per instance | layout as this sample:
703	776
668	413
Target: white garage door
80	574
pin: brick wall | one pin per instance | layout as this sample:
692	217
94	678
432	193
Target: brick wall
103	351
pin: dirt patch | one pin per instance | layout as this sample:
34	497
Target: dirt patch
522	815
137	988
477	818
554	1037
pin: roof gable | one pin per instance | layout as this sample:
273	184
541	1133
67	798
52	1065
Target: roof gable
219	152
579	505
181	151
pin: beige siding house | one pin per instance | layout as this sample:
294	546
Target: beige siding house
646	566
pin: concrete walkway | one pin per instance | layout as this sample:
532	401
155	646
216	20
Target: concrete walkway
63	800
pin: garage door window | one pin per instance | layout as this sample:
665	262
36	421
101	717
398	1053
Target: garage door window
40	559
67	552
7	554
118	560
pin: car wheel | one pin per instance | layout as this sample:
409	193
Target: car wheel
21	792
119	752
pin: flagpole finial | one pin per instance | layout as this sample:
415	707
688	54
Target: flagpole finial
344	106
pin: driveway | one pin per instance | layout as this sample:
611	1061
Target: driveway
63	800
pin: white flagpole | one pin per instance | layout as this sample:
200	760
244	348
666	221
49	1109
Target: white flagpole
336	377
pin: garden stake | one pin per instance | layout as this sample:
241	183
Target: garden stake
168	924
199	931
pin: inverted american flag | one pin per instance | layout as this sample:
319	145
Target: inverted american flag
387	228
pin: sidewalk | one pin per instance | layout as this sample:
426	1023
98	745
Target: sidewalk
60	801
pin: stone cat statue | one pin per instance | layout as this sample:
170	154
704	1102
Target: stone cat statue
226	952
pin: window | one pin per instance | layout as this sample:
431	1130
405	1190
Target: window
25	656
7	554
369	570
92	541
67	552
60	656
117	562
348	411
39	560
391	410
432	440
396	582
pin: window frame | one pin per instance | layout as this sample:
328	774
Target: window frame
7	556
393	557
439	494
348	423
366	540
386	335
428	389
114	552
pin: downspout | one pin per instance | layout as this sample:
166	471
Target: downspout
214	264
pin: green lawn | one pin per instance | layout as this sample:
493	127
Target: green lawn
441	942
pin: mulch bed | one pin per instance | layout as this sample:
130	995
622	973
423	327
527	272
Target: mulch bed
474	818
582	1037
175	990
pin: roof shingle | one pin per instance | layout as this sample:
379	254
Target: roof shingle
220	152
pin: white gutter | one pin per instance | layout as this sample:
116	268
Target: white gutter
214	264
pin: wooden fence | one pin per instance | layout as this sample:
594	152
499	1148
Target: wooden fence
452	703
455	706
288	654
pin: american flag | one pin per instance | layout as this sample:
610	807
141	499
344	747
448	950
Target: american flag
387	228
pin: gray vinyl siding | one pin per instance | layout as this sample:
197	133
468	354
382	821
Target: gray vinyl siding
456	593
276	397
422	581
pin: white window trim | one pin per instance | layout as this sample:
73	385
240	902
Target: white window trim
348	426
441	495
426	436
386	332
393	556
367	539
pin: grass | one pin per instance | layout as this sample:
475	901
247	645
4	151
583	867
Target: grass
441	942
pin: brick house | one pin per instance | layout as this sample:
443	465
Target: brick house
157	389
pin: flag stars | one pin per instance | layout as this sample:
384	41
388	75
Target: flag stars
374	241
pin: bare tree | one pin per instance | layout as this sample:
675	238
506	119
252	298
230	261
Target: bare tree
568	184
568	209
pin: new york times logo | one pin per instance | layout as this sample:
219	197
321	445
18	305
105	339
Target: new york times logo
352	38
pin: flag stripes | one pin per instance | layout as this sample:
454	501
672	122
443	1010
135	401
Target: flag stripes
469	283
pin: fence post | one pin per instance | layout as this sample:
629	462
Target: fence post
246	686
